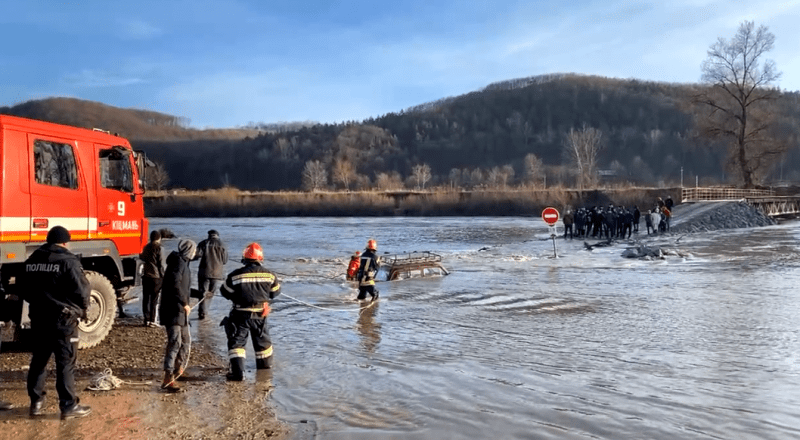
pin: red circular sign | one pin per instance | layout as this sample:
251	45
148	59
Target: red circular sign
550	215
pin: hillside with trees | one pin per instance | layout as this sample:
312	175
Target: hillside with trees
513	133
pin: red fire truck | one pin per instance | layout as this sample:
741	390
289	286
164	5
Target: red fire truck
88	181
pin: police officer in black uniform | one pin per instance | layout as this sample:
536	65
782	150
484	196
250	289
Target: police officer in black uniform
249	288
58	293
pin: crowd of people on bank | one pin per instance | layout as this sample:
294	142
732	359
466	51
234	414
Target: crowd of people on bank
58	292
617	222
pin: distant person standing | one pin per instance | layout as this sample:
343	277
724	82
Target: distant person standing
648	221
58	293
655	218
370	263
213	255
152	278
174	312
569	220
636	216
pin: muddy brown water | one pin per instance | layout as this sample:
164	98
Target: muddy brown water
516	343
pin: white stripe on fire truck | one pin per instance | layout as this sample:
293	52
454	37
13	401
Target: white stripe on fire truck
17	224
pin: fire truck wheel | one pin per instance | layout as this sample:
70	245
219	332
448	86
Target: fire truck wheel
101	312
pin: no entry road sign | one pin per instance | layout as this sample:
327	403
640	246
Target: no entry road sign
550	216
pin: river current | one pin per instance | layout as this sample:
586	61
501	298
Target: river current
517	343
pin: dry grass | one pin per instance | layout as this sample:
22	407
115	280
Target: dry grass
230	202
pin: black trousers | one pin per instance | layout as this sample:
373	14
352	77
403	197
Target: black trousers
364	290
151	289
209	287
59	338
241	325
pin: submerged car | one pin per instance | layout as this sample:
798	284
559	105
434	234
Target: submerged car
411	265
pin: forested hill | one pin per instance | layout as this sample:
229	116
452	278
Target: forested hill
130	123
466	139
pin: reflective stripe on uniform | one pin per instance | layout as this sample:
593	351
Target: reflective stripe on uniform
236	353
264	354
276	287
253	277
257	309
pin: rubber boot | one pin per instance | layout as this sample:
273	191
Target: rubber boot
237	370
169	383
264	364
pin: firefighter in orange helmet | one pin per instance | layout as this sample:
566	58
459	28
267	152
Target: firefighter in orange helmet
352	268
370	263
250	288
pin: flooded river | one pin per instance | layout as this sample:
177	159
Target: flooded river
518	344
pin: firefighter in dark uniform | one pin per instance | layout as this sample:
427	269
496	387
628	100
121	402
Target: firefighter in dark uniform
370	263
250	288
58	293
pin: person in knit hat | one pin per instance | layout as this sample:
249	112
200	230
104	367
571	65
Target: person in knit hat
174	312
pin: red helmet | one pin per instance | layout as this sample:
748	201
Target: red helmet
254	252
372	245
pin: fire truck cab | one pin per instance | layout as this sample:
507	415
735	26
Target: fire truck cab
88	181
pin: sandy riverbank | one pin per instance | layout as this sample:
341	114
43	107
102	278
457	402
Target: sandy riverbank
208	408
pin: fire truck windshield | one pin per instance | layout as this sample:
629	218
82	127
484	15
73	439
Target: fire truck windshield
115	169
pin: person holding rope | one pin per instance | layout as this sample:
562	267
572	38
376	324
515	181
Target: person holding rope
370	263
174	312
250	288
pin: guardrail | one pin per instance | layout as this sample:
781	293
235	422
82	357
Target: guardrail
721	194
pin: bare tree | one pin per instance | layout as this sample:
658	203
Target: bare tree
508	174
454	177
476	177
494	177
388	181
422	174
735	108
581	148
314	176
157	177
343	172
534	168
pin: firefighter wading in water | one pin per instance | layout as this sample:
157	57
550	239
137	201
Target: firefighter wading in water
249	288
370	263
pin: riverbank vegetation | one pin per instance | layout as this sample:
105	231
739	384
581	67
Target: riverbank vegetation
231	202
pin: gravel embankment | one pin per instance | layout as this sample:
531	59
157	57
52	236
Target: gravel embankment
711	216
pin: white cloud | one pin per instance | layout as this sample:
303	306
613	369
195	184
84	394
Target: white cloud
92	78
138	30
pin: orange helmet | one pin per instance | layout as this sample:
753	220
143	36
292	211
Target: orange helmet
254	252
372	245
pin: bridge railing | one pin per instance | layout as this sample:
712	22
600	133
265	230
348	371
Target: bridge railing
715	194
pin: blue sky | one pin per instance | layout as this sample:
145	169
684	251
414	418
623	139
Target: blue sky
227	63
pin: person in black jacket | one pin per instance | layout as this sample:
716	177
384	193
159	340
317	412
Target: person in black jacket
250	288
370	263
174	312
58	293
212	255
152	277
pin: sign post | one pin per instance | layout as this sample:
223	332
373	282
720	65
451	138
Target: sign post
550	216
